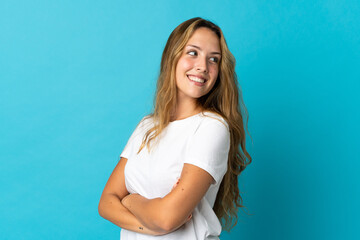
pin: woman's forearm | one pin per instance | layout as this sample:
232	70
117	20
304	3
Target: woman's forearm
141	208
111	208
151	212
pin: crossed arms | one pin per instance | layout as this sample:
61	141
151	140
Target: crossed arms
156	216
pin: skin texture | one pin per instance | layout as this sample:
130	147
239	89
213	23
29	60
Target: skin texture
163	215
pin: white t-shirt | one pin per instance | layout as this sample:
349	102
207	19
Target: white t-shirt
202	140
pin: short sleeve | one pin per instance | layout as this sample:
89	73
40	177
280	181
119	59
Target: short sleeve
209	148
132	143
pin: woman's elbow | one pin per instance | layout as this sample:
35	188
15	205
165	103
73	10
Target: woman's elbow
166	227
169	222
101	208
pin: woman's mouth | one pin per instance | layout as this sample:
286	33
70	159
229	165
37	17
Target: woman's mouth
196	80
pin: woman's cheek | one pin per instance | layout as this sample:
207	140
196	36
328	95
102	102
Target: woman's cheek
187	63
214	70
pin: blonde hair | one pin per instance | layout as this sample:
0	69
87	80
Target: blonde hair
224	99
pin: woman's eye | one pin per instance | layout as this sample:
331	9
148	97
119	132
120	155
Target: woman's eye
192	53
214	59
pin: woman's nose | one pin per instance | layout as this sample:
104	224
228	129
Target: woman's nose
201	65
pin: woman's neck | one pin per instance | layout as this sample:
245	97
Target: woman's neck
185	109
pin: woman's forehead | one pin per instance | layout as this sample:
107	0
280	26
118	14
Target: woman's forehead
205	39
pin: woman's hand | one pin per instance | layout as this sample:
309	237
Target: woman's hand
126	200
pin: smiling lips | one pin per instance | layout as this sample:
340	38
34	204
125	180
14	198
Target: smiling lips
198	80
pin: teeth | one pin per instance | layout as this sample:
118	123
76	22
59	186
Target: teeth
196	79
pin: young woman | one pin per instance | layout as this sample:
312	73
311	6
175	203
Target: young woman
178	174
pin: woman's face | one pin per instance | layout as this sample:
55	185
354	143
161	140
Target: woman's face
198	66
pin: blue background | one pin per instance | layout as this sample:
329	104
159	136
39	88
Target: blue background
77	76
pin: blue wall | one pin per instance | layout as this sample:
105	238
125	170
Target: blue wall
77	76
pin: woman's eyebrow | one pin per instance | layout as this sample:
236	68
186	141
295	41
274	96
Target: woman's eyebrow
190	45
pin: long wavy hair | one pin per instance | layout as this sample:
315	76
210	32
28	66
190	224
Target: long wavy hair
224	98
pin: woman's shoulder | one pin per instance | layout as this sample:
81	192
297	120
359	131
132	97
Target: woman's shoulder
147	121
147	118
213	117
144	123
